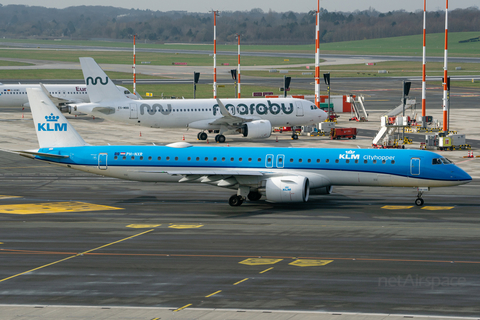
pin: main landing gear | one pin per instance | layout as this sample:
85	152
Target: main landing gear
237	200
202	136
220	138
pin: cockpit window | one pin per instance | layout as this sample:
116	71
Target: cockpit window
126	92
446	161
441	161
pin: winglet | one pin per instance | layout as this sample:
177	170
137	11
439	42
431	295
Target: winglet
223	110
53	130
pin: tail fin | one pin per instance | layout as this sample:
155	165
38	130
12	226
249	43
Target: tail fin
99	86
53	130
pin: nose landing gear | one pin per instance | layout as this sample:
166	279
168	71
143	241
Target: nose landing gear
419	202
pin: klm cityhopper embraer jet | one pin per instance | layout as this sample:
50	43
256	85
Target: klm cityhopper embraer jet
278	174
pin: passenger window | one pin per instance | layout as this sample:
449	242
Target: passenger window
365	161
356	161
383	161
336	160
124	158
299	160
291	160
347	161
280	160
159	158
318	160
374	161
168	158
231	159
309	160
249	159
115	158
327	161
223	159
393	161
141	158
197	158
176	158
215	159
259	159
133	157
149	158
206	158
189	158
240	159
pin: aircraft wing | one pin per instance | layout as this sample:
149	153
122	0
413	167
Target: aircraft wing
57	101
32	154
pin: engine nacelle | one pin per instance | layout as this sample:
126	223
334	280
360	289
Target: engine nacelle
257	129
71	109
286	189
322	190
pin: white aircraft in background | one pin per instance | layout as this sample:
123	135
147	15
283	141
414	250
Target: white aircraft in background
62	95
253	118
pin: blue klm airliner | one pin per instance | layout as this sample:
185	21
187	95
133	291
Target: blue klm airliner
279	174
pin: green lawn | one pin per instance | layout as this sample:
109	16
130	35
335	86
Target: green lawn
407	45
5	63
119	57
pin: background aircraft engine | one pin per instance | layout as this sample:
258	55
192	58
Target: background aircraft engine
287	189
72	109
257	129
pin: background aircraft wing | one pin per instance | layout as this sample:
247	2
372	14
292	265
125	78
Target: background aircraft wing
227	118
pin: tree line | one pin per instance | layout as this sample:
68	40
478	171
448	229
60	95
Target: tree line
255	26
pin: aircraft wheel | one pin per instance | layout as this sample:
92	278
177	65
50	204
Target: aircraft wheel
235	201
295	136
220	138
419	202
216	138
198	136
203	136
254	196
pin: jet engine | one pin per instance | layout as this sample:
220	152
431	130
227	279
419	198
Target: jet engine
286	189
257	129
322	190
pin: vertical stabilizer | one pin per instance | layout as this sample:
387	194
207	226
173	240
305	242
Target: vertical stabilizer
53	130
100	87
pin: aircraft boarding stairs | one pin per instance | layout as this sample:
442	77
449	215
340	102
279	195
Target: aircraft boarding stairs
384	135
358	108
409	104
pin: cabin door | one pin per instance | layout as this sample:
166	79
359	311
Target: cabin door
102	161
415	166
269	161
280	160
133	111
299	108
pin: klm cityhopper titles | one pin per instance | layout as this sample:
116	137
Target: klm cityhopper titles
278	174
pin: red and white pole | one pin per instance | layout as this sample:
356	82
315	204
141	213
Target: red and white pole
215	13
134	69
424	86
317	57
445	67
238	75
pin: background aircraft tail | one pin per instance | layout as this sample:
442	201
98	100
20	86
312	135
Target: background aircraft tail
99	86
53	130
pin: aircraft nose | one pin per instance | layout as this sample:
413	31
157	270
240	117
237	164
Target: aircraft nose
461	175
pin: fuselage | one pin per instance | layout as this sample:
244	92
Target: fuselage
351	167
200	113
15	95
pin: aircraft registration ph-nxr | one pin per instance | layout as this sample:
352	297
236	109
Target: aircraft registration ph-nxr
281	175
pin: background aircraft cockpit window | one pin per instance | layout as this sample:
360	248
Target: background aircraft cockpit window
436	161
